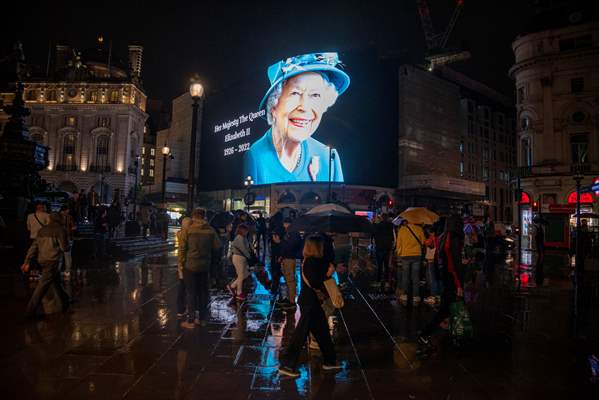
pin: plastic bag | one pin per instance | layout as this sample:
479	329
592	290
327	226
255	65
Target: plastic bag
460	325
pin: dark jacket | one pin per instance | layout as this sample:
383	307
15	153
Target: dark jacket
291	245
315	272
383	236
199	247
49	245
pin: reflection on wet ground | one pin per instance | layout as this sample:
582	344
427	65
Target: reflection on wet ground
123	340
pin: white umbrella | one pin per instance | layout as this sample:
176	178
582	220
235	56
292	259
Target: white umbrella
328	207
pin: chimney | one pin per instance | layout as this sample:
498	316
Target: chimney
135	55
62	57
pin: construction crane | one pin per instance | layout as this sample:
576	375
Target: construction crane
436	51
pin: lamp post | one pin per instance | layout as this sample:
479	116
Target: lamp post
136	163
331	157
248	182
197	91
578	260
165	153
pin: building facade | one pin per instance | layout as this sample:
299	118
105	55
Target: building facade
556	73
90	111
456	144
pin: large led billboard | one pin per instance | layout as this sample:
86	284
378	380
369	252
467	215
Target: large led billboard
306	118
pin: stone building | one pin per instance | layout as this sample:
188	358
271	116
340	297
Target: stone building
89	109
456	143
556	73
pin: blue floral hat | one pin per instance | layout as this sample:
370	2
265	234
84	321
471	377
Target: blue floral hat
313	62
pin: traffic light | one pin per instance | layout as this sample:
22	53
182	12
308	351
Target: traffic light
535	206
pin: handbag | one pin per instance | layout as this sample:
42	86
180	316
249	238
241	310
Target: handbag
332	289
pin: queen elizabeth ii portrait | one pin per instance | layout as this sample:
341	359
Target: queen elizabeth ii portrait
302	90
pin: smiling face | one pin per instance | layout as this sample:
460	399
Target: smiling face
304	99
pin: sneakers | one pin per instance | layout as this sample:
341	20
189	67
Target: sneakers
416	300
332	367
430	300
288	372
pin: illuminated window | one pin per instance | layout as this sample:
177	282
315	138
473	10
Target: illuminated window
68	153
152	151
143	150
461	168
151	171
585	197
71	121
141	172
143	160
151	162
92	96
114	96
102	144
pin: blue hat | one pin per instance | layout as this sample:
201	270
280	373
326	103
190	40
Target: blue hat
314	62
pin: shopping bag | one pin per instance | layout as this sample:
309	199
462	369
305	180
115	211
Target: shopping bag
460	325
334	293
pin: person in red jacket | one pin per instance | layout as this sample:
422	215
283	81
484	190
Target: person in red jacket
449	262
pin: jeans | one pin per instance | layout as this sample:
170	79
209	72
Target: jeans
50	278
242	270
275	275
197	287
433	279
382	262
410	272
313	321
288	267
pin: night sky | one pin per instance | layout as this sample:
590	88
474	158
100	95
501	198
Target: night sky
227	41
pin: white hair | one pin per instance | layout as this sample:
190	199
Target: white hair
329	97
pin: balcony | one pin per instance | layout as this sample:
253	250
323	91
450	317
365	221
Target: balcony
557	169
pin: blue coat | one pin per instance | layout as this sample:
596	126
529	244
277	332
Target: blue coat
262	163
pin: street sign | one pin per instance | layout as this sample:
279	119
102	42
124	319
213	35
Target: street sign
595	187
249	198
562	208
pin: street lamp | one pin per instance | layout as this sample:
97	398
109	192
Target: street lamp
196	90
578	260
248	182
331	157
136	163
166	151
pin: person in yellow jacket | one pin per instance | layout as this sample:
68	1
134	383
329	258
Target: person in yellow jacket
409	247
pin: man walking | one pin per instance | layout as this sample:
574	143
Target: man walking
383	241
37	220
198	249
48	247
68	223
291	246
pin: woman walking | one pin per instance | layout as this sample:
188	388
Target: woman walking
181	293
241	252
312	320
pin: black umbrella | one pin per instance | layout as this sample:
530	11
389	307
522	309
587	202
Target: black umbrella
331	221
222	219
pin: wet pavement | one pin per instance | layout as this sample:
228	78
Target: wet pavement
123	340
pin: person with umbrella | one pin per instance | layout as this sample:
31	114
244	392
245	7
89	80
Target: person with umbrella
409	247
411	250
